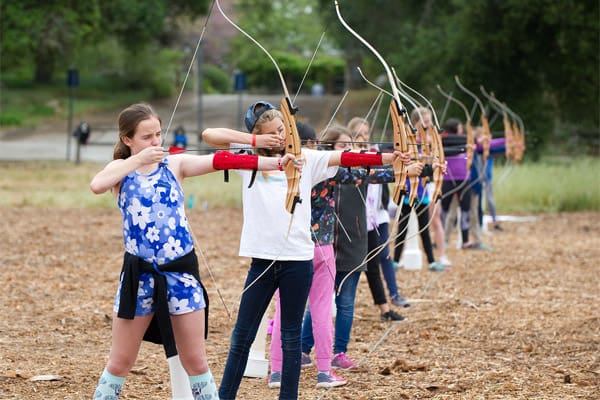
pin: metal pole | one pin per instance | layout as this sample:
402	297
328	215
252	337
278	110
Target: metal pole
70	121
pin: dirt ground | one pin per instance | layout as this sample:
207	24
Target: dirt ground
519	322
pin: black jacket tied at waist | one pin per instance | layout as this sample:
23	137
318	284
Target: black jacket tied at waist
160	330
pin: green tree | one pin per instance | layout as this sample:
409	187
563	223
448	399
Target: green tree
47	34
541	56
44	32
282	27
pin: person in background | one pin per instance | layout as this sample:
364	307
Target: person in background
350	246
322	287
378	227
159	279
435	215
422	208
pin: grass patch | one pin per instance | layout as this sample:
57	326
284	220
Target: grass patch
549	186
60	184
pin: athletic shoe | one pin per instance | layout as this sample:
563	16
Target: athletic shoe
445	262
476	246
329	380
483	246
497	227
399	301
391	316
341	361
395	265
275	380
436	267
306	361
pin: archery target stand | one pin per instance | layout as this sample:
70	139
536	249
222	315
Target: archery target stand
412	258
180	384
258	365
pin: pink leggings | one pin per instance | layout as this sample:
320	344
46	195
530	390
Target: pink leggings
320	300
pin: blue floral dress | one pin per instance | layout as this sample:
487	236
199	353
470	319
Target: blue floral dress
155	228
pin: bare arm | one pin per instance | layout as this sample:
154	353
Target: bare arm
110	177
224	137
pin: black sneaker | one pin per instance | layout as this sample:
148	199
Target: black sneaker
392	316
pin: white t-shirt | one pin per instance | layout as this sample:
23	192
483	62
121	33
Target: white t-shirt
266	221
376	214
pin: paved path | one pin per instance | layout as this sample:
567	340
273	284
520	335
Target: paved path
49	142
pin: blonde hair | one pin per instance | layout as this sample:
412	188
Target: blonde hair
129	120
355	122
265	117
415	117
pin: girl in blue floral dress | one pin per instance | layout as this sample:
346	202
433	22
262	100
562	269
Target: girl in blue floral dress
160	296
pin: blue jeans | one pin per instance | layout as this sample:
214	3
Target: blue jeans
344	304
293	278
387	265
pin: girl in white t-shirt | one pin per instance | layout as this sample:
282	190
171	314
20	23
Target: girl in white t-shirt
281	253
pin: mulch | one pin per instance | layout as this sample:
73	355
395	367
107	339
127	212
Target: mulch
519	322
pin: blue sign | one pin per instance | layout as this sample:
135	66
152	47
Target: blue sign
239	81
72	77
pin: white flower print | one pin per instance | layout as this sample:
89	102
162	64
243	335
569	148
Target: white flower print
140	215
148	181
177	306
172	223
188	280
183	222
131	245
152	234
197	297
146	304
172	248
174	195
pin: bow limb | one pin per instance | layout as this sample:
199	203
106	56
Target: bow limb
487	133
470	143
414	180
397	111
508	131
292	139
439	158
293	146
468	126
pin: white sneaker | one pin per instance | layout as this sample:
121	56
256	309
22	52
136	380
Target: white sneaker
445	262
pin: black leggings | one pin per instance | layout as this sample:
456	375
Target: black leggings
464	198
422	211
373	274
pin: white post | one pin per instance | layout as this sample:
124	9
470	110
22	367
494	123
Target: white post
180	384
459	242
412	258
258	365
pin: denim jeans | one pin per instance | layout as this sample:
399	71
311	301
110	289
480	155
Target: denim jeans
344	304
385	260
293	278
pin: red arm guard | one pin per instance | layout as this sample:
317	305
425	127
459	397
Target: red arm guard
225	160
352	159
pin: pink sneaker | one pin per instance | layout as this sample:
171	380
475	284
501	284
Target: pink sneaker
329	380
341	361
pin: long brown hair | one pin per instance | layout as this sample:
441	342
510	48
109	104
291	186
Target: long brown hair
332	135
129	119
